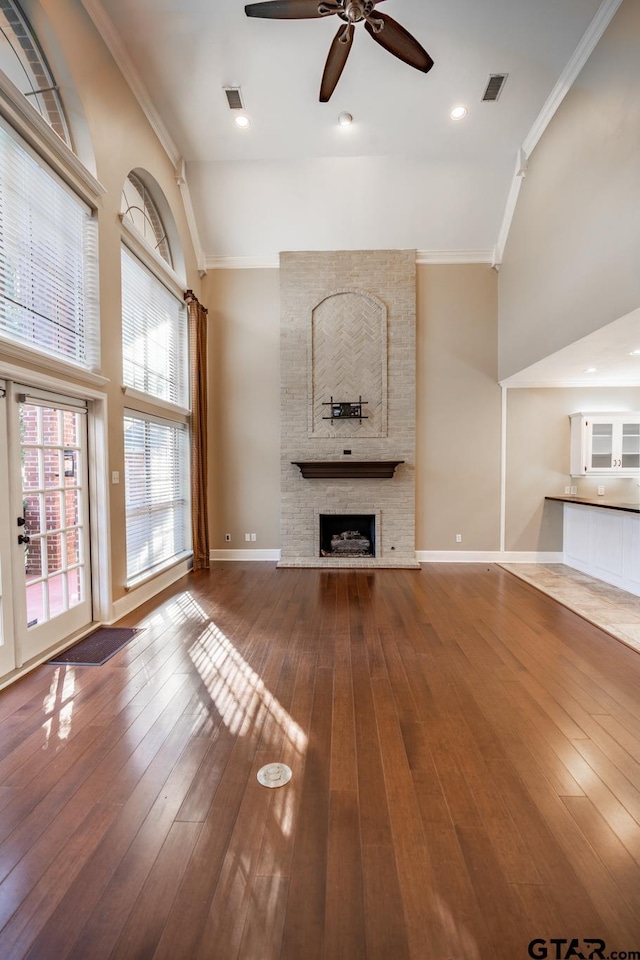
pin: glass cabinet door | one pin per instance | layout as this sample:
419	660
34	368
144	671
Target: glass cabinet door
601	446
630	453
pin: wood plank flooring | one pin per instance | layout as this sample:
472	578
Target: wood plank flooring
466	777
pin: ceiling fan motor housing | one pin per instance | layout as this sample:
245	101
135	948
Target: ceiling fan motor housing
356	10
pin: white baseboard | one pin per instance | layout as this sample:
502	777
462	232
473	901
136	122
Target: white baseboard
244	555
422	556
147	590
486	556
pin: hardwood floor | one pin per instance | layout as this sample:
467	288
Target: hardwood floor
466	777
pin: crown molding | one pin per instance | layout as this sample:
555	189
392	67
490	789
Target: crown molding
243	263
185	193
556	384
567	78
453	256
113	41
570	73
422	257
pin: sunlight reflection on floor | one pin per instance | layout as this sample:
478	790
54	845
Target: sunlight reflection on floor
244	703
60	699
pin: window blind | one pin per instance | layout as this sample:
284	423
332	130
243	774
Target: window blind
154	334
156	458
48	260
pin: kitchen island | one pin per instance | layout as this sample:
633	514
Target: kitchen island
602	538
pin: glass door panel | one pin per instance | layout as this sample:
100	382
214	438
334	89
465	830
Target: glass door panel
630	454
53	532
601	446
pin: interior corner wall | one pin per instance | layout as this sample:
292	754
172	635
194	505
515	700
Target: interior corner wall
571	260
244	376
458	409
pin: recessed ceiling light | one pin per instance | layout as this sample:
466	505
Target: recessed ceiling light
458	113
635	353
242	121
345	119
591	370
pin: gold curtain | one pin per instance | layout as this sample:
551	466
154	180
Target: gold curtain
199	431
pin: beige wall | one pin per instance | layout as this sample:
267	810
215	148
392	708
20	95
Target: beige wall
458	419
458	409
244	465
538	460
571	260
122	140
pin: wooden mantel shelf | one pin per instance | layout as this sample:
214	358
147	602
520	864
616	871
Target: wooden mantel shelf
347	469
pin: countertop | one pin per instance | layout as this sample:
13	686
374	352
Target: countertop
600	502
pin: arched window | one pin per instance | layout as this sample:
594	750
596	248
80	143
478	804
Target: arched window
22	60
139	209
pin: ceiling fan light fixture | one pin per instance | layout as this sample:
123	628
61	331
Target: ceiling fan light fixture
458	113
345	119
242	121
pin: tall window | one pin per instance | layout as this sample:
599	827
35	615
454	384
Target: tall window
155	370
48	259
153	334
156	457
23	61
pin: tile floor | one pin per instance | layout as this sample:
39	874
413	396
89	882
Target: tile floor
613	610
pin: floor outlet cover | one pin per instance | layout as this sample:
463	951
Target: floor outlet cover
274	775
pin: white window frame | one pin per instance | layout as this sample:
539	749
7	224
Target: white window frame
135	577
88	365
181	372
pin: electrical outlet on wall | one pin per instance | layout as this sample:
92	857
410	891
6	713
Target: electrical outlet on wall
227	537
574	491
458	538
253	537
601	490
247	537
567	491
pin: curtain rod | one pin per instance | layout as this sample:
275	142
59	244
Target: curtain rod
190	297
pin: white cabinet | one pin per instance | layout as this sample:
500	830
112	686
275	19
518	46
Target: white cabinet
605	444
604	544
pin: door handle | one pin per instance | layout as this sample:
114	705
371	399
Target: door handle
23	538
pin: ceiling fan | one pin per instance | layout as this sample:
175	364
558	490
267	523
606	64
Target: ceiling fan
383	28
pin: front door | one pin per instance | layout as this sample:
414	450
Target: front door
49	520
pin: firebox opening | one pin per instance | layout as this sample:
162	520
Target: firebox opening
347	535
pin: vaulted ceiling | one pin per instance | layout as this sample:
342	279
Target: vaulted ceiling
403	174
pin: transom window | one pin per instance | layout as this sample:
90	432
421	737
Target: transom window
142	214
23	61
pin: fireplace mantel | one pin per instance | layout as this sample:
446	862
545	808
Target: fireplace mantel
347	469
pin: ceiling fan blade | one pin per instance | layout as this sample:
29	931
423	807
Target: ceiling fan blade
399	42
292	9
338	53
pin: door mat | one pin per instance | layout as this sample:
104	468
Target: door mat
97	648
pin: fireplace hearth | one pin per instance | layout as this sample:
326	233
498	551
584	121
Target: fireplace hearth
347	535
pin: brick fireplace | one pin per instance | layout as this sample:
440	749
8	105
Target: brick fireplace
348	397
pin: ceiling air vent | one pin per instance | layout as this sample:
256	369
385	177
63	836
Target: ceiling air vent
495	85
234	98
